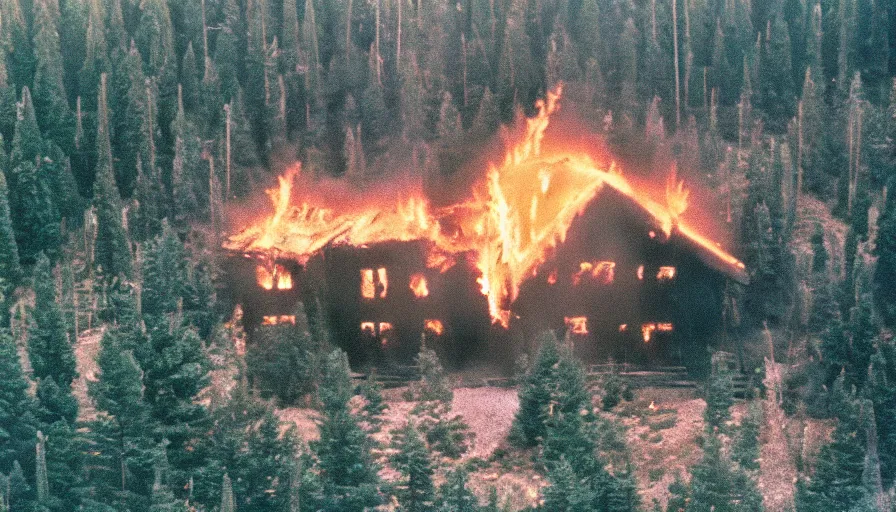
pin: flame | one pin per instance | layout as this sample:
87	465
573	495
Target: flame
368	328
577	324
514	217
266	278
418	286
434	326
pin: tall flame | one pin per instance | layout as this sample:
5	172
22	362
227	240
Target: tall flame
517	213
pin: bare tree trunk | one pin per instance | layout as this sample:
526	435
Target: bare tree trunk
675	59
348	32
463	43
398	43
204	38
379	60
689	55
227	151
799	151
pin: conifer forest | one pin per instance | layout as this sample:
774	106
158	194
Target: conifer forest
150	149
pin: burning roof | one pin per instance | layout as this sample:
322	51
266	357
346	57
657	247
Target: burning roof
516	214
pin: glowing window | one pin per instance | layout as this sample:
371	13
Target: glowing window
434	327
665	274
604	271
368	288
374	284
419	286
383	282
648	329
368	328
640	272
277	320
268	277
577	324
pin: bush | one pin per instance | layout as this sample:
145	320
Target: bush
616	389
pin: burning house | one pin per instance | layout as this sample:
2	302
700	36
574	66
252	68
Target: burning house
548	239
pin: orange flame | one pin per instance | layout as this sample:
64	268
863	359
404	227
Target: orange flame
516	215
418	286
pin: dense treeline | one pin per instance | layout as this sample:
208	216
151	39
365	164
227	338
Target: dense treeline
126	128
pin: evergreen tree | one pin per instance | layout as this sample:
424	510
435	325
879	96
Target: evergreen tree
35	217
885	270
881	390
50	97
454	496
18	425
745	450
49	348
565	492
122	437
189	79
775	91
837	483
227	500
348	476
719	397
111	248
10	270
718	486
185	171
415	489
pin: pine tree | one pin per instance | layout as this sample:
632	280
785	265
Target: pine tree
49	348
35	217
155	38
837	483
455	496
189	79
50	97
719	397
17	421
565	492
881	390
775	91
185	180
745	450
718	486
10	270
415	489
885	270
227	501
122	437
111	250
348	476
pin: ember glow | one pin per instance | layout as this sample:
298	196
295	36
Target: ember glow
515	215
